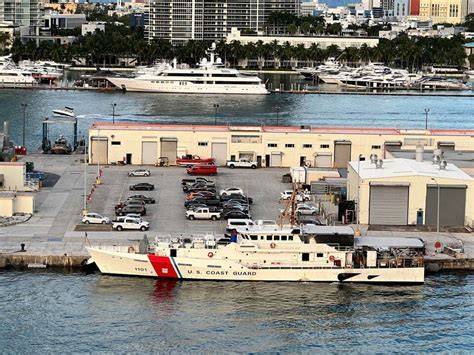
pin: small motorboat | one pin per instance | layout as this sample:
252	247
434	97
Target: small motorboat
61	146
190	160
65	112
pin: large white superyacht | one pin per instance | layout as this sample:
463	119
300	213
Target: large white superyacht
210	77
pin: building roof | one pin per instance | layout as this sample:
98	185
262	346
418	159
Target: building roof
407	167
278	129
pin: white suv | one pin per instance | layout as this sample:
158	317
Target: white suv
300	196
95	218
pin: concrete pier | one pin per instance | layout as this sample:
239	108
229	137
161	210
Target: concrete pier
51	236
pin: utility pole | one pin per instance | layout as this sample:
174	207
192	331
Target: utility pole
24	122
216	106
113	112
427	110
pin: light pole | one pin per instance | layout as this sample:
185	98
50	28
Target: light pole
437	209
24	122
278	114
427	110
216	106
113	112
357	231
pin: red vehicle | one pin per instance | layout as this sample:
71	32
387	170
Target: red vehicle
190	160
202	170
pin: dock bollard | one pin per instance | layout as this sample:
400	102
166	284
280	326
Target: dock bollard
22	245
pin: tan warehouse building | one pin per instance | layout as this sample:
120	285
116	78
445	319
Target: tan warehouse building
405	191
270	146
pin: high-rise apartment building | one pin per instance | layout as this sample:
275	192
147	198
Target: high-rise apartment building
183	20
20	12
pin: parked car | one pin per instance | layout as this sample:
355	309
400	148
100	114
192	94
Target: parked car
241	163
189	160
235	223
204	193
204	201
202	205
130	215
141	210
139	172
95	218
315	222
142	186
202	170
235	214
236	208
236	197
231	191
202	213
199	187
300	197
304	209
129	203
131	223
144	198
235	205
197	179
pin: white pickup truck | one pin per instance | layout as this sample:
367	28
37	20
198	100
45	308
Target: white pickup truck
241	163
130	223
202	213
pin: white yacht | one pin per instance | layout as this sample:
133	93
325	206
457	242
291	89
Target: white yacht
329	67
210	77
11	76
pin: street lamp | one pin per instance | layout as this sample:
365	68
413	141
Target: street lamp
437	210
357	231
216	106
278	114
427	110
24	122
113	112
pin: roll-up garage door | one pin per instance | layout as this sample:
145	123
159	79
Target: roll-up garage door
275	160
323	161
169	149
99	151
219	153
342	154
388	205
452	205
149	153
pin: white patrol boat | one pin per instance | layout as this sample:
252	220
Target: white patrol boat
267	254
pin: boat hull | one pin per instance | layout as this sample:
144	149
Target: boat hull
150	265
187	88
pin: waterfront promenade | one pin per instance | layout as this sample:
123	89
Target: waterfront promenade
55	236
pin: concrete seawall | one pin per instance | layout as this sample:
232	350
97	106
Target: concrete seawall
25	261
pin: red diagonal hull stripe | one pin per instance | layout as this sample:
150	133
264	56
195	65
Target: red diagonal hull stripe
163	266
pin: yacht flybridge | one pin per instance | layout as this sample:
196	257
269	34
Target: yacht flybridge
210	77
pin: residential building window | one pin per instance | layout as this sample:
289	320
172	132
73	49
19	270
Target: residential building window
324	146
202	144
115	143
307	146
375	147
289	145
272	145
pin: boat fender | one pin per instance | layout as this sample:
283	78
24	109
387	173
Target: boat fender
131	249
273	245
332	258
210	254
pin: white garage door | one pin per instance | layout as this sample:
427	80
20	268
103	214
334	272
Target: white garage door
275	160
149	153
169	149
323	161
219	153
388	205
99	151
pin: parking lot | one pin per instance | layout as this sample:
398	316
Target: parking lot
167	215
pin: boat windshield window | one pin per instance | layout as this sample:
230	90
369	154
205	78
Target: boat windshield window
276	237
254	237
290	237
283	237
269	237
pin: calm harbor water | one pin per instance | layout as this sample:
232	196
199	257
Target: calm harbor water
318	110
57	312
